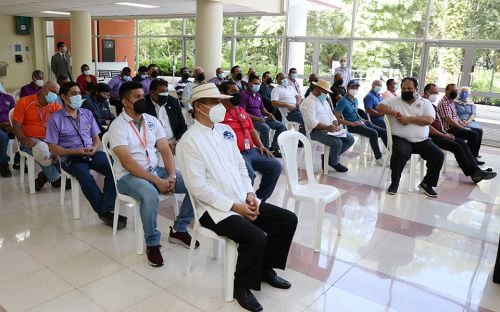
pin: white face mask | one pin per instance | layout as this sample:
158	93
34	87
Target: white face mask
353	92
216	113
433	98
39	83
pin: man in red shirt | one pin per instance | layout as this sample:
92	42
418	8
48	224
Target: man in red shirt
256	155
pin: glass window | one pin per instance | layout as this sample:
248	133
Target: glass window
444	66
190	26
227	26
160	51
391	18
263	54
226	54
486	70
260	25
190	50
329	56
325	19
464	19
171	26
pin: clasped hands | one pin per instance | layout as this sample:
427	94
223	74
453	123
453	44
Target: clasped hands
249	209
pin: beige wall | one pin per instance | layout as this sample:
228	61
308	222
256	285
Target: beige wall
18	74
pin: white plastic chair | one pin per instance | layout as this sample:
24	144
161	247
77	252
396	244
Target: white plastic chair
139	231
11	151
325	149
230	253
312	192
414	160
25	159
75	193
16	95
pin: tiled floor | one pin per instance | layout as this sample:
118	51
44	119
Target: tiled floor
397	253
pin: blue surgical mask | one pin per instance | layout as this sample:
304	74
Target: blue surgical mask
51	97
127	78
377	89
284	82
76	101
221	76
322	97
2	89
86	72
464	95
144	76
256	88
293	76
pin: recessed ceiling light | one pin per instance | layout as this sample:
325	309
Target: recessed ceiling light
138	5
55	12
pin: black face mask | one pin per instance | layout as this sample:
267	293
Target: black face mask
140	106
239	76
185	76
453	94
407	95
269	80
200	77
235	100
154	74
162	99
339	82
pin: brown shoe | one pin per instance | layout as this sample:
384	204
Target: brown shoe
40	181
154	256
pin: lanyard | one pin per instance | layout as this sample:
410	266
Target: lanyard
237	117
143	141
46	115
77	128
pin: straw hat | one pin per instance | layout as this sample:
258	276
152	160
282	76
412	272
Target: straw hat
323	84
207	90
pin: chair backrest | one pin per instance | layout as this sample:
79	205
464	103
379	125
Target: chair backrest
11	112
110	156
389	133
16	95
288	142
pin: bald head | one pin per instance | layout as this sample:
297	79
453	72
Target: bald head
49	87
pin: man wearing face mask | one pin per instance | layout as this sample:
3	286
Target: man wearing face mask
319	118
265	91
446	141
338	89
115	84
346	112
392	88
142	73
237	78
73	135
98	104
153	72
135	138
285	98
199	79
29	119
257	156
34	86
292	81
344	71
313	78
452	123
217	179
60	63
181	84
219	77
371	101
410	117
263	121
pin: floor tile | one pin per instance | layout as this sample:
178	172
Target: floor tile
163	301
73	301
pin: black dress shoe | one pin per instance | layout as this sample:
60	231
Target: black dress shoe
246	299
40	181
274	280
108	217
480	162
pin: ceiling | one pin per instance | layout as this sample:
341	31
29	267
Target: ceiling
105	8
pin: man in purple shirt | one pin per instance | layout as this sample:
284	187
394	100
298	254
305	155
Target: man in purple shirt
72	134
6	104
153	72
114	86
35	85
251	101
219	77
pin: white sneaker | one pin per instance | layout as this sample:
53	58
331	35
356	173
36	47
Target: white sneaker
379	161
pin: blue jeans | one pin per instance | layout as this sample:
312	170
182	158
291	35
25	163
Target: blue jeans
378	122
4	143
270	168
264	129
296	116
51	171
372	132
337	145
101	201
147	195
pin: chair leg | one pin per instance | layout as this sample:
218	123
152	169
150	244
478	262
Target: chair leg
191	250
320	212
445	162
286	198
75	197
115	218
176	205
297	207
339	216
326	158
139	231
31	175
413	167
216	250
230	255
23	165
63	189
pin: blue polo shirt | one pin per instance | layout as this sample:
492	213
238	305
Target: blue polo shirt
348	108
68	132
371	100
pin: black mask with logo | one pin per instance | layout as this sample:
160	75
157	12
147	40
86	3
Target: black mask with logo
140	106
407	95
235	100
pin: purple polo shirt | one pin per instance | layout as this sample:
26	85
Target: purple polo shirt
29	89
114	84
7	103
62	129
145	85
252	103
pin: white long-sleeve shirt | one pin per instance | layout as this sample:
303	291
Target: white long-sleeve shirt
314	112
213	169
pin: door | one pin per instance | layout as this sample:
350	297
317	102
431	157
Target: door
108	50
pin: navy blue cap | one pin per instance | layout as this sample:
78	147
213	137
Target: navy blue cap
352	83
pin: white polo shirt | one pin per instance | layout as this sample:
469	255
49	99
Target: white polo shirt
314	112
411	132
284	94
121	133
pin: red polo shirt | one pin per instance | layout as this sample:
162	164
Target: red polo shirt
238	119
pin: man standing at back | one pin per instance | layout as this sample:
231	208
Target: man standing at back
199	78
60	63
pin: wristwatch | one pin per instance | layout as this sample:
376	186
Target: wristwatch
173	177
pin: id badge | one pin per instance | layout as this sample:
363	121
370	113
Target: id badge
246	142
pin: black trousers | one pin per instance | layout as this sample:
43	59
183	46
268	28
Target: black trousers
496	270
473	136
401	153
460	149
262	244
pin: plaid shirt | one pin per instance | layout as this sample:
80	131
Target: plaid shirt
446	108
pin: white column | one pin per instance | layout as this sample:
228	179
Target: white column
81	41
208	38
297	23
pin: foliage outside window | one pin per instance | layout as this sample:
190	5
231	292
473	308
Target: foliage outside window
334	22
